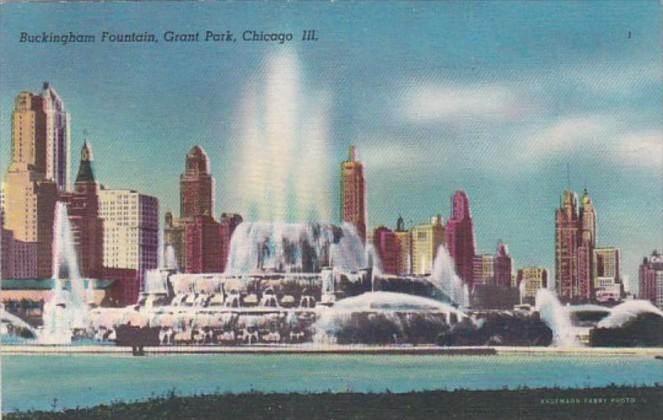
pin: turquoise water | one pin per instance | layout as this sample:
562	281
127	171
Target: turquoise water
49	381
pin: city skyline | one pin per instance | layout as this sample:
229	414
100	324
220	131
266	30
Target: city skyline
462	127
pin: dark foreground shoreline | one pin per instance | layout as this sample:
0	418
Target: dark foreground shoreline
612	402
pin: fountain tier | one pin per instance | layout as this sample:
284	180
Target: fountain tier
294	247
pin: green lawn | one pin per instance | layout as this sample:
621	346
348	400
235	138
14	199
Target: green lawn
597	403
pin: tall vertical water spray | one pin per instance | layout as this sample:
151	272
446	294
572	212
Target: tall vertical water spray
170	260
160	249
283	156
522	289
444	277
67	308
557	317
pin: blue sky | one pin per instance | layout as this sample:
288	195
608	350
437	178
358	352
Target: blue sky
491	97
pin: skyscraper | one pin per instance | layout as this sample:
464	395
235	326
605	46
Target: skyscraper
503	266
606	276
404	246
199	241
38	170
40	134
196	186
651	279
587	243
131	229
460	236
86	224
566	244
6	243
426	240
575	240
353	193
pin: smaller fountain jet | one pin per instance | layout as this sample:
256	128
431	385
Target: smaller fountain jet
67	310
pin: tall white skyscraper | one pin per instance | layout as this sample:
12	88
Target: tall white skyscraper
131	229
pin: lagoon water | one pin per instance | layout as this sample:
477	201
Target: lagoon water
47	382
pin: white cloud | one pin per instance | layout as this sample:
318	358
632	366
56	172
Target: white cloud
447	102
641	147
562	135
525	146
392	154
606	135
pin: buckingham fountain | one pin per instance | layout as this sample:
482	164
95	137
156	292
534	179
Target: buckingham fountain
289	283
299	283
307	282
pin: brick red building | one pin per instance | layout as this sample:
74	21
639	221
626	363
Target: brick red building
503	266
575	240
126	285
460	236
650	278
204	245
386	245
196	186
353	193
200	242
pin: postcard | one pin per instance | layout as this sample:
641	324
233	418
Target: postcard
331	210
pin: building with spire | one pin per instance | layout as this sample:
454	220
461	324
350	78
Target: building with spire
575	240
83	210
404	239
353	193
460	236
566	245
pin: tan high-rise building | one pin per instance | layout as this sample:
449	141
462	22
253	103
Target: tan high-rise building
426	240
606	265
38	171
607	273
29	215
353	193
530	280
40	135
587	243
